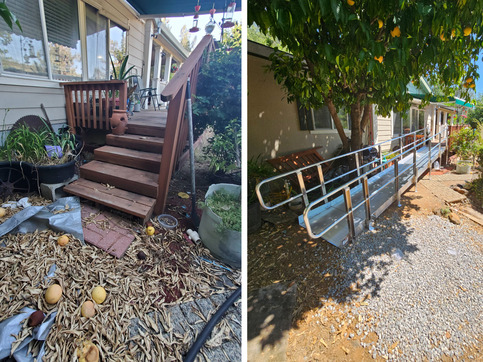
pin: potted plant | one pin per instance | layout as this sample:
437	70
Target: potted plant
466	143
220	226
50	155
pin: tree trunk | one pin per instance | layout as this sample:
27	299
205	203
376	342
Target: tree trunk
338	124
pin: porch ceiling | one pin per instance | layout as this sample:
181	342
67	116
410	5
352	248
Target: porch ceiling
165	8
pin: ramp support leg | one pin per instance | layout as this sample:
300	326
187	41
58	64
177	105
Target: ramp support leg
365	189
350	214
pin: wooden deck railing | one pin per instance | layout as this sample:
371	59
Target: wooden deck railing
90	104
176	132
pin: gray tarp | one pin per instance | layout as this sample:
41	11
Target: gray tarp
44	217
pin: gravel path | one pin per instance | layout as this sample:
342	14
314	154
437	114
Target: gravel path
418	284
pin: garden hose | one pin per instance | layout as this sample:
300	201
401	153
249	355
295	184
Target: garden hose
195	348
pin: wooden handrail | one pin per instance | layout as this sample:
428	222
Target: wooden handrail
176	125
181	76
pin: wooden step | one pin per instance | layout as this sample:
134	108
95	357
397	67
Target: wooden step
125	201
136	142
143	129
131	158
125	178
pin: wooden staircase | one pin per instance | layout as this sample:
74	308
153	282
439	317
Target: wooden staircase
132	172
124	172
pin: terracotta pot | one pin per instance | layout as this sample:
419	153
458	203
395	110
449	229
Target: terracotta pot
118	121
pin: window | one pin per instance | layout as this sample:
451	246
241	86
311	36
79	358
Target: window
318	119
23	51
54	49
61	19
409	121
117	43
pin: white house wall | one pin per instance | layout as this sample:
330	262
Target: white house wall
22	95
273	124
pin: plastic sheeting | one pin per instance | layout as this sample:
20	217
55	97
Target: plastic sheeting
34	218
13	325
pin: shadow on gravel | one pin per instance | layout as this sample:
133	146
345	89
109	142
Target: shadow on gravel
285	254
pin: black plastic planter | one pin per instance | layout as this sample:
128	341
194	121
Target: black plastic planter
56	173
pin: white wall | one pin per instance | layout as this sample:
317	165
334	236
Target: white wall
273	125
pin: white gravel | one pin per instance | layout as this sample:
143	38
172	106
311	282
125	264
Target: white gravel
425	277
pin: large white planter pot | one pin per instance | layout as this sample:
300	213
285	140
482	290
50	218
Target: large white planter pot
226	244
463	166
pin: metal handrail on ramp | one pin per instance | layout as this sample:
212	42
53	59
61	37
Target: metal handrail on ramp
339	215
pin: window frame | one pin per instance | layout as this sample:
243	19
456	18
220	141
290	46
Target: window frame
309	122
29	79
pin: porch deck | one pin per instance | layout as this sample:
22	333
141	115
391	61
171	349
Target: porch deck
382	193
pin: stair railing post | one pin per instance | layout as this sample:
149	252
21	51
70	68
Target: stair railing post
322	182
396	181
300	178
429	162
194	215
358	167
365	189
415	170
439	150
350	214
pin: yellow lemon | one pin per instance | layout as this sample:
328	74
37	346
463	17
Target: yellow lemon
63	240
88	352
396	32
150	230
380	23
442	37
87	309
2	212
53	293
472	85
453	33
469	80
99	294
350	2
379	59
467	31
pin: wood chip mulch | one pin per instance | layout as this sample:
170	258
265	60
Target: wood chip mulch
170	274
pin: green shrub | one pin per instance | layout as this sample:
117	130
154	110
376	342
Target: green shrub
466	142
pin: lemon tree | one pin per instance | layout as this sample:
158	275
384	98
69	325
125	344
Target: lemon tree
353	54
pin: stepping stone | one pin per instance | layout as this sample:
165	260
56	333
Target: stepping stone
105	231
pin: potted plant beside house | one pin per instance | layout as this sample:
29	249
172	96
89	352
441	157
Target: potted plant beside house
50	155
466	143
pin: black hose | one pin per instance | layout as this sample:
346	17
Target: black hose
195	348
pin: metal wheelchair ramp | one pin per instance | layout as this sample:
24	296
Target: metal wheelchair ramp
341	214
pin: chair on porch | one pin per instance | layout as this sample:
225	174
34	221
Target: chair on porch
141	94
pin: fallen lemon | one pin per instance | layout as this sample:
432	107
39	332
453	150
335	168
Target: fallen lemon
63	240
2	212
99	294
396	32
380	23
467	31
350	2
87	309
53	293
150	230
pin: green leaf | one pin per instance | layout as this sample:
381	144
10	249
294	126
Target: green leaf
336	7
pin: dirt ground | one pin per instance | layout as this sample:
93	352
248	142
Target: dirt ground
285	254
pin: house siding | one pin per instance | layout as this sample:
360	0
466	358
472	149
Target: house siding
21	95
273	124
384	131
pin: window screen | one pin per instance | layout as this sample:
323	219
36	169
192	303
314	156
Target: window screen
23	51
96	25
322	118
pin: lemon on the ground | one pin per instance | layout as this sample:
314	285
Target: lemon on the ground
150	230
53	293
396	32
2	212
87	309
63	240
99	294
